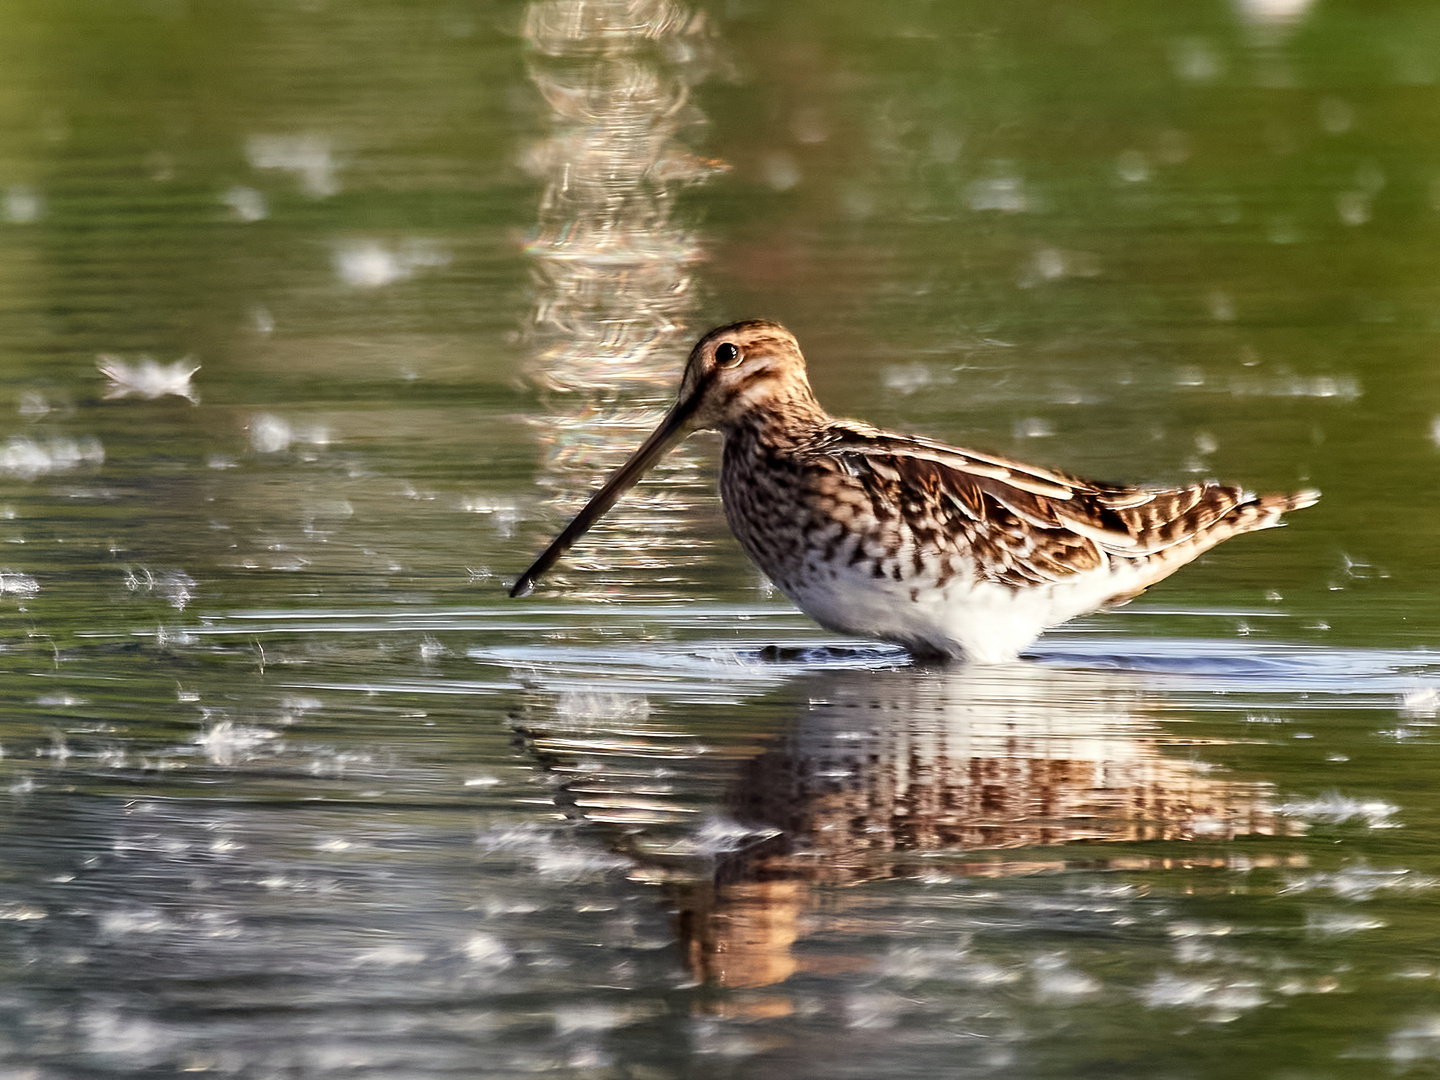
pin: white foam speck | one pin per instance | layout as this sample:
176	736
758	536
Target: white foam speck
308	157
139	921
389	955
270	434
176	586
1057	982
148	379
590	1017
247	203
485	950
1004	192
23	204
13	583
1361	882
1273	12
1420	703
228	743
1417	1040
1333	808
28	459
1337	923
1223	1001
368	264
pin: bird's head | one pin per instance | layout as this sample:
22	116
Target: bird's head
747	370
739	371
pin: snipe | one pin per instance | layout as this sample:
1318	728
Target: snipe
948	552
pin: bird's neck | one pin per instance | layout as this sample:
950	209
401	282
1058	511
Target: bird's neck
784	419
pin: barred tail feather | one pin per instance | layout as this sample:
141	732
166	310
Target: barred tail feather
1271	507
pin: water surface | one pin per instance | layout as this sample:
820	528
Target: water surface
290	787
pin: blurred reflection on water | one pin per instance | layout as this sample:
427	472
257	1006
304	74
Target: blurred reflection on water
884	773
345	866
612	264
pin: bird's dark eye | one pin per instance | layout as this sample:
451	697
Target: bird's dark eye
727	355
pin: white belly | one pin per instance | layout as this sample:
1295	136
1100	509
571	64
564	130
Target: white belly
981	621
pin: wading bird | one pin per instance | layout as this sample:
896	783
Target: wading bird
948	552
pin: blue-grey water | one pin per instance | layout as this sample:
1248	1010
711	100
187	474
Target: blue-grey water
317	320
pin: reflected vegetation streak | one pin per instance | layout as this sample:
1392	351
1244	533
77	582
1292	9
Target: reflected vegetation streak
611	265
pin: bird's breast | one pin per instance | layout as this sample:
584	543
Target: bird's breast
805	520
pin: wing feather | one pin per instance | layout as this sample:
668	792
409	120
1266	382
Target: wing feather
1024	525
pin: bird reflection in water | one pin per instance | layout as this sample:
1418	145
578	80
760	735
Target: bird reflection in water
902	772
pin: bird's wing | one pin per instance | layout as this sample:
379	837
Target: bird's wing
1024	525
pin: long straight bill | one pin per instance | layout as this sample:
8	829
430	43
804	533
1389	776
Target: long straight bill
671	430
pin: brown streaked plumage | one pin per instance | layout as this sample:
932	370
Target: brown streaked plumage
948	552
